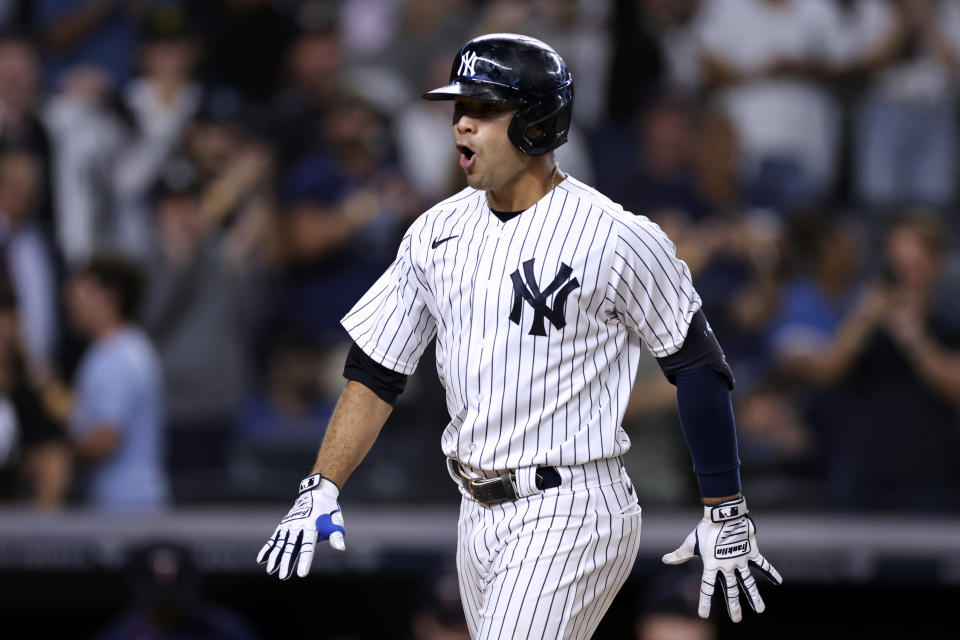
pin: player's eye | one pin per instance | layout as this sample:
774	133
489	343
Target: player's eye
477	110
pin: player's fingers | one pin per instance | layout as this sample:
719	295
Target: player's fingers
290	552
768	571
330	527
337	541
265	549
731	594
273	561
306	553
684	552
749	586
338	538
706	593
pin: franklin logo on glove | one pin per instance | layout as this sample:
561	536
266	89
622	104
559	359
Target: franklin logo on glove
733	550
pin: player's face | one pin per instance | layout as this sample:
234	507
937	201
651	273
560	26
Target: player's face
488	158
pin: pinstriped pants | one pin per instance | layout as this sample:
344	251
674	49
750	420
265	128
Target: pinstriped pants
548	565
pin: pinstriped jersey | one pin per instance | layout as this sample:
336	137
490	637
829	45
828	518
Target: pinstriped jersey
539	320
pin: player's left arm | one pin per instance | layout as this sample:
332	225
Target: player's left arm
726	537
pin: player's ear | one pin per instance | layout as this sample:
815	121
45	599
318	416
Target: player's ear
535	131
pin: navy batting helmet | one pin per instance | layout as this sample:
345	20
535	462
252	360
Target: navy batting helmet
515	69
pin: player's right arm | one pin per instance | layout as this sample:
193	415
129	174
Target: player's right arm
355	425
357	419
391	326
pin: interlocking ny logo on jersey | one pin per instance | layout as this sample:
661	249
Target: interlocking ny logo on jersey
467	63
530	292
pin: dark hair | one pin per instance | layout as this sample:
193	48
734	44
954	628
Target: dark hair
121	277
925	225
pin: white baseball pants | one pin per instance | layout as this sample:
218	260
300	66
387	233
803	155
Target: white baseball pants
548	565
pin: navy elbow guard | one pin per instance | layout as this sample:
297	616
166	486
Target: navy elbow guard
700	349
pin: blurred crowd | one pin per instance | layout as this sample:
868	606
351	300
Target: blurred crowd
192	194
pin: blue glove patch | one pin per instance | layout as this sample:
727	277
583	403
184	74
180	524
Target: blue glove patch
326	527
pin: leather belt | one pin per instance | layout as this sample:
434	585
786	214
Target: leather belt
502	488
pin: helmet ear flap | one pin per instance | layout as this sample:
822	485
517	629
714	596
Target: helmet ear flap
552	114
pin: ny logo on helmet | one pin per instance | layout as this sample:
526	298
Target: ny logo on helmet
467	63
530	293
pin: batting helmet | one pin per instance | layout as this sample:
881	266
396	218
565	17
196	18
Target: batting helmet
515	69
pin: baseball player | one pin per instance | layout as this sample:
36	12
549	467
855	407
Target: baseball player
541	293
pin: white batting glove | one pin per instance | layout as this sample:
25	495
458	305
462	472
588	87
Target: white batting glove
726	539
315	513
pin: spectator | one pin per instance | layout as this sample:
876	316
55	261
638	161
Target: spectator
637	54
20	125
26	261
778	421
777	448
97	33
199	311
32	443
168	604
406	37
346	204
162	102
314	64
117	417
825	290
283	420
906	131
741	263
659	174
432	169
88	133
891	438
766	60
676	23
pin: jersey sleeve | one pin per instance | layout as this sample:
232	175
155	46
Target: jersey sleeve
392	322
652	288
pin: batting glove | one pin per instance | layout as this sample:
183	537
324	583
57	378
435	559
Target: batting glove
726	539
314	514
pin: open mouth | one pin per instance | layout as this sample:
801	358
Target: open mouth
466	156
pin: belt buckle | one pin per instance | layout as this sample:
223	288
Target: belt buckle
506	480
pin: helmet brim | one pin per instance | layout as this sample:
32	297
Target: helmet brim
476	90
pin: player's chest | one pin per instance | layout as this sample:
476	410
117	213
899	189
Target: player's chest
533	280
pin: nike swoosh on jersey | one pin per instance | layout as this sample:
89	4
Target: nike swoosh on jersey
437	243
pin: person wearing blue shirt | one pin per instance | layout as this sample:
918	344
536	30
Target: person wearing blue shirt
117	415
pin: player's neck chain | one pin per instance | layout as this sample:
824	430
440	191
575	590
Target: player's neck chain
553	183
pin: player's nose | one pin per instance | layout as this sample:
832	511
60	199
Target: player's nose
463	123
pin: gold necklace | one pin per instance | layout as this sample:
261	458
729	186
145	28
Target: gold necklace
553	183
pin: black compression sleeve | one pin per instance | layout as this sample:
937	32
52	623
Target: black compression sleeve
706	416
384	382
